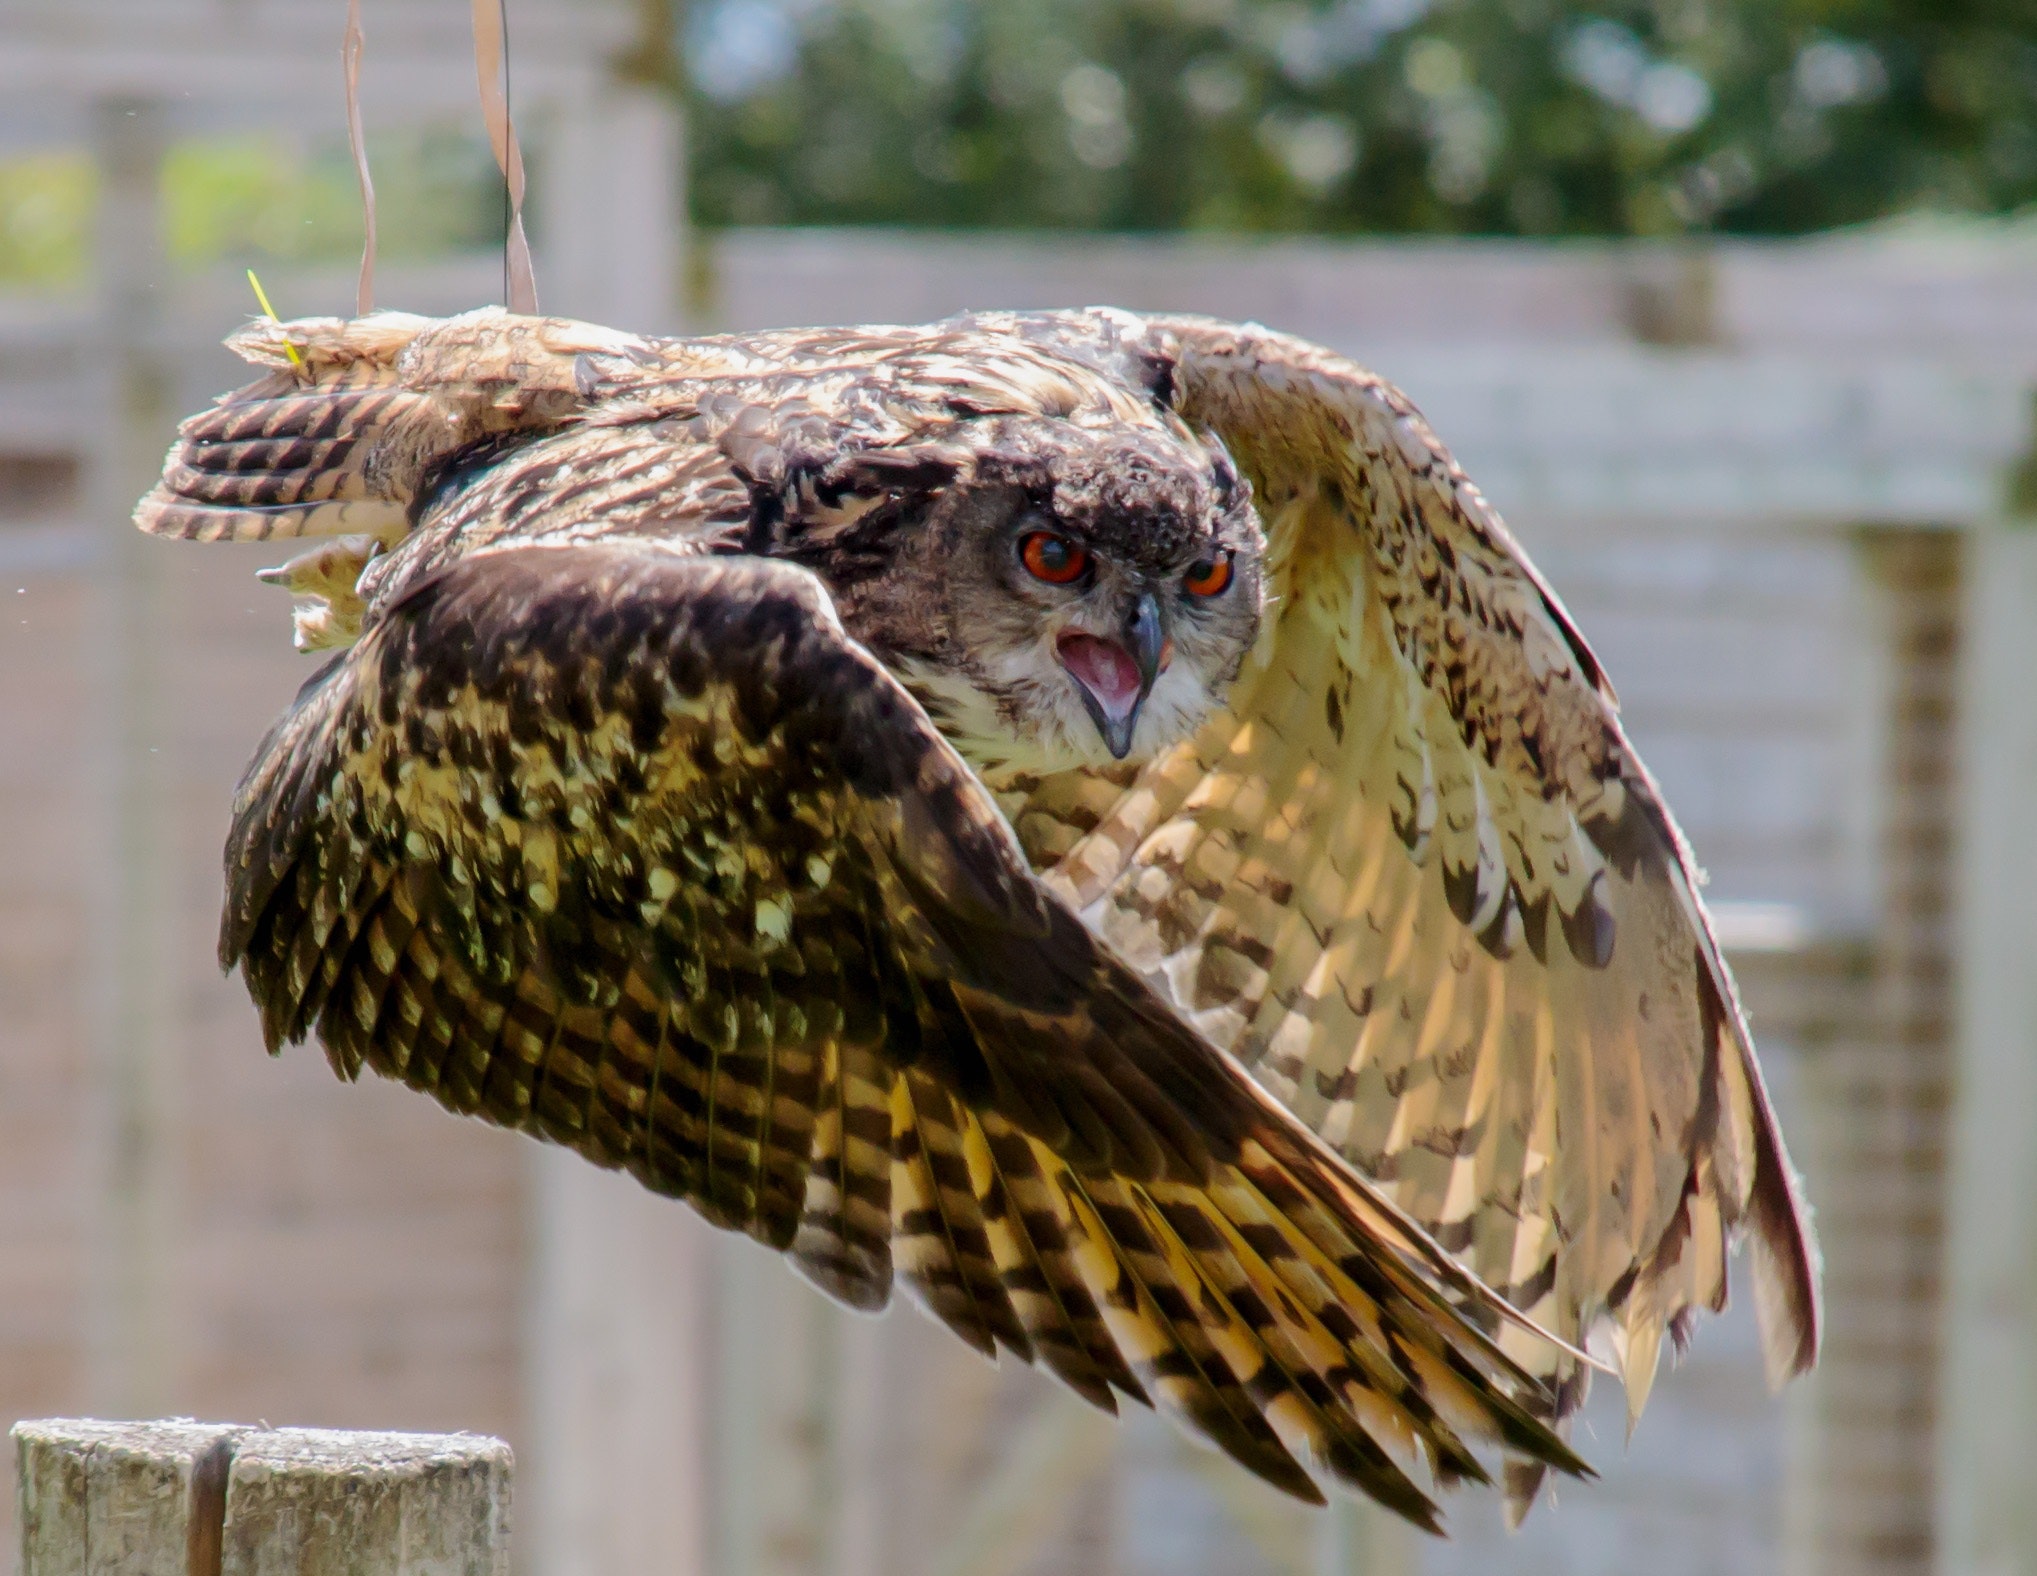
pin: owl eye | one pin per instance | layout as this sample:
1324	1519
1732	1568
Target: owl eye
1052	558
1211	577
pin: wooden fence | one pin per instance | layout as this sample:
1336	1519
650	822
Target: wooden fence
180	1498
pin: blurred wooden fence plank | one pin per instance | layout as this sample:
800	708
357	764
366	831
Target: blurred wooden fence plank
1987	1438
135	1061
209	1499
1359	1538
1013	1512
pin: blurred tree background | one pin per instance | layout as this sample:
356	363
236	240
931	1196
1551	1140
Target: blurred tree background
1497	117
1493	117
260	199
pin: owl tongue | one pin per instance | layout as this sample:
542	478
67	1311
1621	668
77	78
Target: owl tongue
1105	669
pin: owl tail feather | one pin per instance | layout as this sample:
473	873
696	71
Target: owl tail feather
353	416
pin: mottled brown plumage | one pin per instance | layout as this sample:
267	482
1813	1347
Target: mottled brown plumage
659	809
1421	883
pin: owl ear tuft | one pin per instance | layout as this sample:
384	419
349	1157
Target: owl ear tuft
788	445
823	498
877	473
1153	367
815	493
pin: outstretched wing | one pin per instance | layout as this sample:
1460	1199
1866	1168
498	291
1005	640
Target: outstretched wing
1418	880
358	426
641	854
353	417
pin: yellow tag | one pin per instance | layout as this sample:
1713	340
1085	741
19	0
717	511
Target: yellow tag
262	297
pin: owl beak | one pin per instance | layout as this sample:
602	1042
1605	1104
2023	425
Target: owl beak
1148	641
1114	679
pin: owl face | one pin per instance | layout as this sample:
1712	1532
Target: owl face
1099	595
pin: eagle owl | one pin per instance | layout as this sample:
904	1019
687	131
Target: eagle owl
1091	816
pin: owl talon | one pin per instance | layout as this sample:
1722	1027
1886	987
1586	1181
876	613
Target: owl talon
325	582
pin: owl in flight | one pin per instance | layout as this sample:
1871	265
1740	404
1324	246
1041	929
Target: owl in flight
1089	815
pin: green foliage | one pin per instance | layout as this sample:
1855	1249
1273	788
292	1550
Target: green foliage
251	197
1485	116
45	211
257	200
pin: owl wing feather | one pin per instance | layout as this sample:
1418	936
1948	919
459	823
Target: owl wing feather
641	854
1350	880
353	415
1418	880
355	423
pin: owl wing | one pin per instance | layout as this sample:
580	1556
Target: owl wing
1419	881
640	854
353	418
416	441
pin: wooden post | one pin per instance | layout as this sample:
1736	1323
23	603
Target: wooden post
209	1499
308	1502
121	1499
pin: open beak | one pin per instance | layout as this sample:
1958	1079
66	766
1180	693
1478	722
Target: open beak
1113	677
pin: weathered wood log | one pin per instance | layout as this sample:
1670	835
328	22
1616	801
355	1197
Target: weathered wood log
207	1499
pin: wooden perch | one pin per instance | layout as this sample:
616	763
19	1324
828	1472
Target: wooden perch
210	1499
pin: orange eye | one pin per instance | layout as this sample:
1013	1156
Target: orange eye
1053	559
1209	578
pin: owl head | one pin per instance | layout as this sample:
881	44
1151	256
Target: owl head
1056	594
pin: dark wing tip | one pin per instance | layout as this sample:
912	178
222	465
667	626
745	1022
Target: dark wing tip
1785	1257
1786	1262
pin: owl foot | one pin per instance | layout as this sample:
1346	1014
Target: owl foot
324	580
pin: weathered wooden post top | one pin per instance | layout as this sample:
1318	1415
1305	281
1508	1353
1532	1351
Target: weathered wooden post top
180	1498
